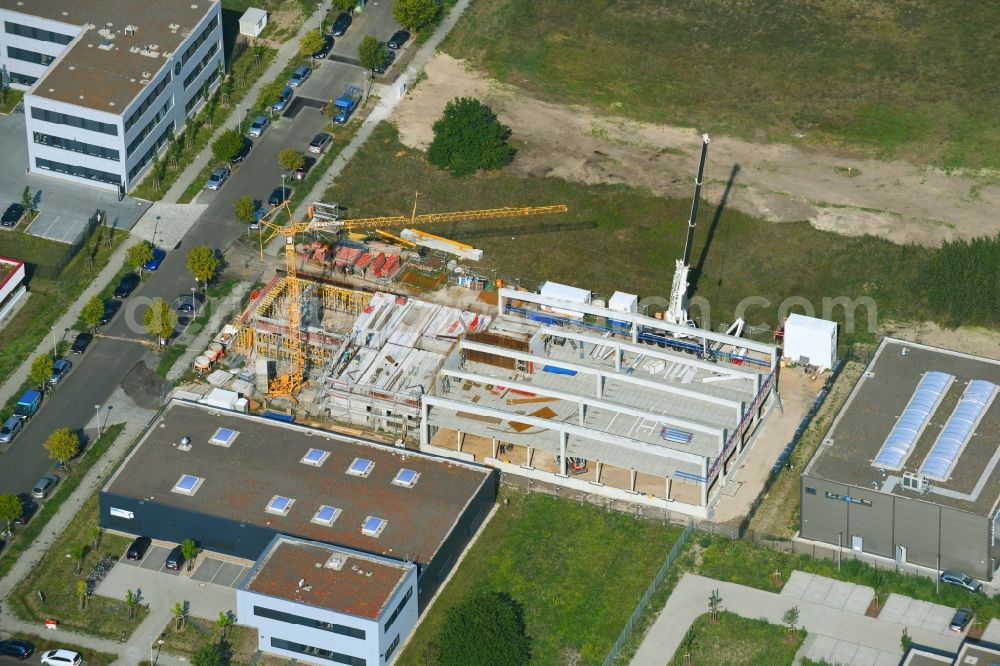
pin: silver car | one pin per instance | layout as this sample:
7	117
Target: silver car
258	126
11	427
218	177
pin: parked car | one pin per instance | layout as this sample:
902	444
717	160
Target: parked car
10	429
341	24
81	343
390	57
158	257
44	485
28	404
258	213
111	307
320	142
243	152
12	215
324	51
961	619
280	195
60	368
398	38
138	548
960	579
175	559
218	177
61	657
299	76
126	285
28	508
283	99
258	126
185	303
17	648
302	171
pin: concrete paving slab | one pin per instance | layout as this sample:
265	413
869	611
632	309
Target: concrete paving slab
859	599
917	614
796	585
828	592
207	570
834	651
992	631
228	574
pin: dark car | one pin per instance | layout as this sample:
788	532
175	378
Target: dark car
961	619
111	307
28	509
81	343
17	648
12	215
185	303
324	51
961	580
158	256
398	39
175	559
341	25
243	152
390	57
60	368
138	548
126	285
279	196
303	171
319	142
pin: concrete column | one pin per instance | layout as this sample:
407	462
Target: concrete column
599	467
635	332
669	487
704	485
425	426
563	438
618	358
631	480
529	453
583	412
494	447
600	385
460	439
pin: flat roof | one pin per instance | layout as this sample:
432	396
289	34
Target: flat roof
108	80
298	571
877	401
264	461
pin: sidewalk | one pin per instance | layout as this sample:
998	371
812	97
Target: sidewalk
287	51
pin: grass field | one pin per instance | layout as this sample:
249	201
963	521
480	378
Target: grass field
616	237
894	79
578	571
739	641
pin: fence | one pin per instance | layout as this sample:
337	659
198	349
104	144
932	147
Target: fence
45	258
644	601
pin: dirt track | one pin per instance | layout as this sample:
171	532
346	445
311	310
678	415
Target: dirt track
782	183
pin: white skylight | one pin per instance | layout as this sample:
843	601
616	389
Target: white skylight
326	515
280	505
224	437
187	484
373	526
315	457
406	477
360	467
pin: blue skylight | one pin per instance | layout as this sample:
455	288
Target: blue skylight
187	484
406	477
280	505
360	467
315	457
914	419
373	526
224	436
326	515
960	427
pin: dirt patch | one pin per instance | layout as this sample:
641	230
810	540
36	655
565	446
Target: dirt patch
145	387
781	183
976	341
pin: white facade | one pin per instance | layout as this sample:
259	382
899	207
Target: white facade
812	339
253	22
112	148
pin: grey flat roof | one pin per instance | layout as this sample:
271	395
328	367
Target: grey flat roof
879	398
264	460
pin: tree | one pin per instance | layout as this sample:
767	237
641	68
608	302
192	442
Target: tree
222	623
179	616
715	605
79	551
790	618
414	14
877	580
905	641
689	642
131	601
343	5
468	137
227	145
41	370
189	549
371	53
139	254
62	445
95	537
244	209
92	312
271	92
486	629
159	319
207	655
26	199
290	159
202	263
81	593
11	509
311	42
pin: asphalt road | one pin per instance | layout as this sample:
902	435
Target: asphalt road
100	370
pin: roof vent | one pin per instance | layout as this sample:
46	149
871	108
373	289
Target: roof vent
302	582
147	75
336	562
130	29
134	49
105	45
173	26
185	444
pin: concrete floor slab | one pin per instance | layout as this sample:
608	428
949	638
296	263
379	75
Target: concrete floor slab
828	592
917	614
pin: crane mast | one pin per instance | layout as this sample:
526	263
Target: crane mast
677	308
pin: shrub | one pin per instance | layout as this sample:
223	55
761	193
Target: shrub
468	137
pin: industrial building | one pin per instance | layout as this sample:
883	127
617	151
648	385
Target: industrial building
909	468
258	489
107	83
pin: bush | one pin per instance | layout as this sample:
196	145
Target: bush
486	629
468	137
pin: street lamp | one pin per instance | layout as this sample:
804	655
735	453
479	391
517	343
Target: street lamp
194	302
97	408
155	228
283	187
53	342
158	644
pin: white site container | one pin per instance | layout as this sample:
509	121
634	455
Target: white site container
811	340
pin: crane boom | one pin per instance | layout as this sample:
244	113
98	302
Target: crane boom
431	218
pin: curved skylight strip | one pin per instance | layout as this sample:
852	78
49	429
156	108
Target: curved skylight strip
959	428
913	420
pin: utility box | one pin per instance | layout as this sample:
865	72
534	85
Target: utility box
811	340
563	292
253	22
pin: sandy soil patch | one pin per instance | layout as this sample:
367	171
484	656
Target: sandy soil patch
977	341
782	183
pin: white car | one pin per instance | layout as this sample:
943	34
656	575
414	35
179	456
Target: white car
62	657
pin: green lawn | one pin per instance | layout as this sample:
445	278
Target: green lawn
736	641
13	98
897	79
577	570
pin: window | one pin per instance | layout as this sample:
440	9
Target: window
199	94
153	122
373	526
361	467
329	655
152	150
22	79
36	33
201	66
75	146
188	484
392	648
280	505
848	498
810	491
399	609
201	39
148	102
224	437
73	121
315	457
406	477
29	56
289	618
326	515
78	171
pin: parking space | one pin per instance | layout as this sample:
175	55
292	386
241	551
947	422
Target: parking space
220	572
300	103
828	592
917	614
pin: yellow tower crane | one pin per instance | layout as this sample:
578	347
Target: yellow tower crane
288	384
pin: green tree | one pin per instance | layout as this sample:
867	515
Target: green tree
131	601
26	199
207	655
139	254
311	42
343	5
224	148
179	616
290	159
715	605
159	319
269	93
244	209
486	629
79	551
202	263
905	641
41	370
468	137
414	14
790	618
62	445
222	623
371	53
10	509
92	312
81	593
189	549
689	642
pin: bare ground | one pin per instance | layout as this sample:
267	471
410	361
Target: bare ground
782	183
